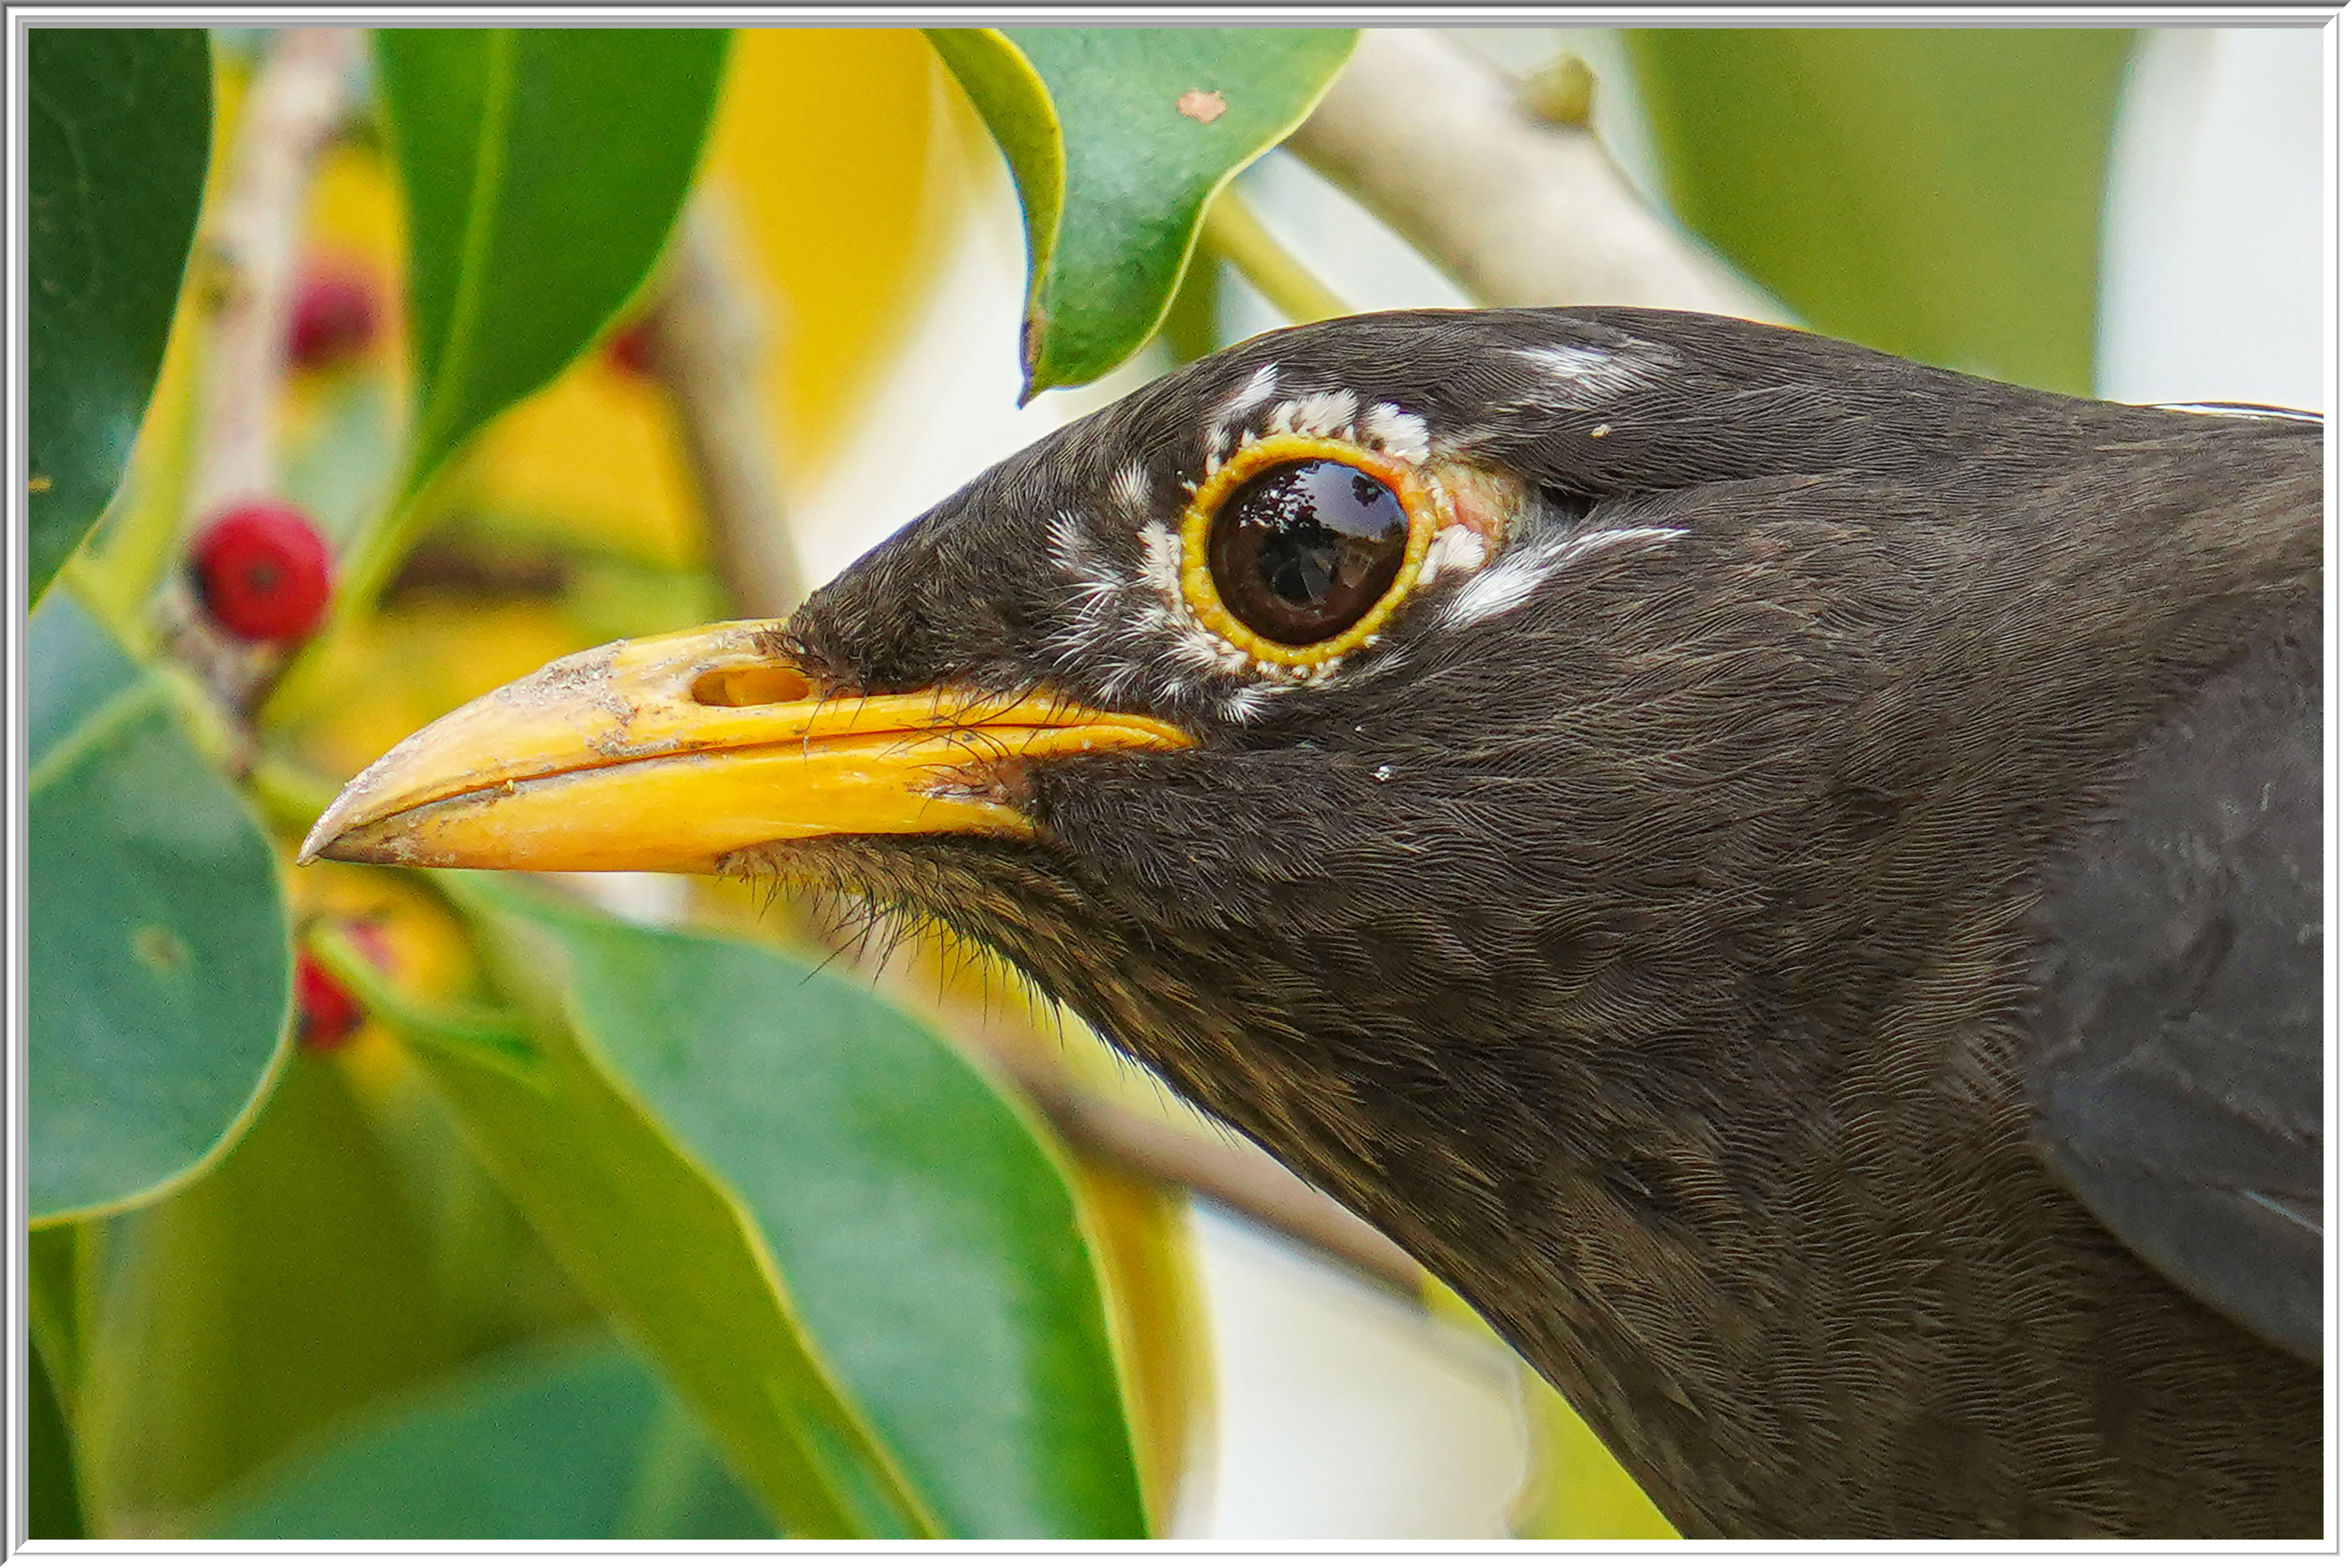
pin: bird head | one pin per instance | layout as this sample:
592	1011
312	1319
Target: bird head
1443	743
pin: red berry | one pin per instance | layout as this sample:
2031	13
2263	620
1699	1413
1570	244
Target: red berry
334	317
630	350
327	1015
265	571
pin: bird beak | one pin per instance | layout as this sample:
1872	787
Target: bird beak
670	753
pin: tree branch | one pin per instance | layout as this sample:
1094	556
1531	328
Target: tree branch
1229	1172
710	336
1518	211
1237	1176
250	251
250	254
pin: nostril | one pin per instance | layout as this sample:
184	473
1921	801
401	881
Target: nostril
751	685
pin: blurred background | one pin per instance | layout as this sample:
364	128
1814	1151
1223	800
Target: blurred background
2137	215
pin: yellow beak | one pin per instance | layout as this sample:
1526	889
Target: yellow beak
670	753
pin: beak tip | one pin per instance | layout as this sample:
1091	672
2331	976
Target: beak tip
331	825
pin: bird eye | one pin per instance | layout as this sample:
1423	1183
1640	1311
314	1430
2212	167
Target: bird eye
1298	548
1301	551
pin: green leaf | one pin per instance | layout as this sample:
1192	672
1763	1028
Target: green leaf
575	1442
119	125
319	1265
1118	136
543	169
1935	194
160	968
667	1253
52	1493
929	1245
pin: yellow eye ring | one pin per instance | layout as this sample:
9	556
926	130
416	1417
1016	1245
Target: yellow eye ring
1424	508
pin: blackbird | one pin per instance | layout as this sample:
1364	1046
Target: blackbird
1788	878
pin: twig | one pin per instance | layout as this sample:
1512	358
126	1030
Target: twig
1236	1176
708	337
1517	210
249	254
1232	230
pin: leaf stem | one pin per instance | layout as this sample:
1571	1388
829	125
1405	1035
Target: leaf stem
710	331
1234	231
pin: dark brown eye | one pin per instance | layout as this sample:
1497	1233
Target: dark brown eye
1302	551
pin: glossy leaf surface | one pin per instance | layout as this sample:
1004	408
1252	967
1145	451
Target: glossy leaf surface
929	1247
1933	193
118	123
542	169
660	1247
159	966
321	1264
578	1441
1117	137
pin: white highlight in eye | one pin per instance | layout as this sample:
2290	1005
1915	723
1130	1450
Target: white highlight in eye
1453	548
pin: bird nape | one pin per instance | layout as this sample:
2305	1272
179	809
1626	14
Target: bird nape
1788	878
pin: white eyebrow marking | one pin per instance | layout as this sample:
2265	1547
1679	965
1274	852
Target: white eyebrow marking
1066	542
1245	701
1512	583
1585	544
1502	588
